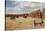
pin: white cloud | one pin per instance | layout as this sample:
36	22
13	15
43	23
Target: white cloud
30	0
24	7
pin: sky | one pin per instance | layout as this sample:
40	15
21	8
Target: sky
15	6
29	0
9	2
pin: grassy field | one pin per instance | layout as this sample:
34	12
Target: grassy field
20	23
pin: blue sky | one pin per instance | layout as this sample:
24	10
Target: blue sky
20	6
9	3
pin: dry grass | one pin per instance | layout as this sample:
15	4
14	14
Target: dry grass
20	23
